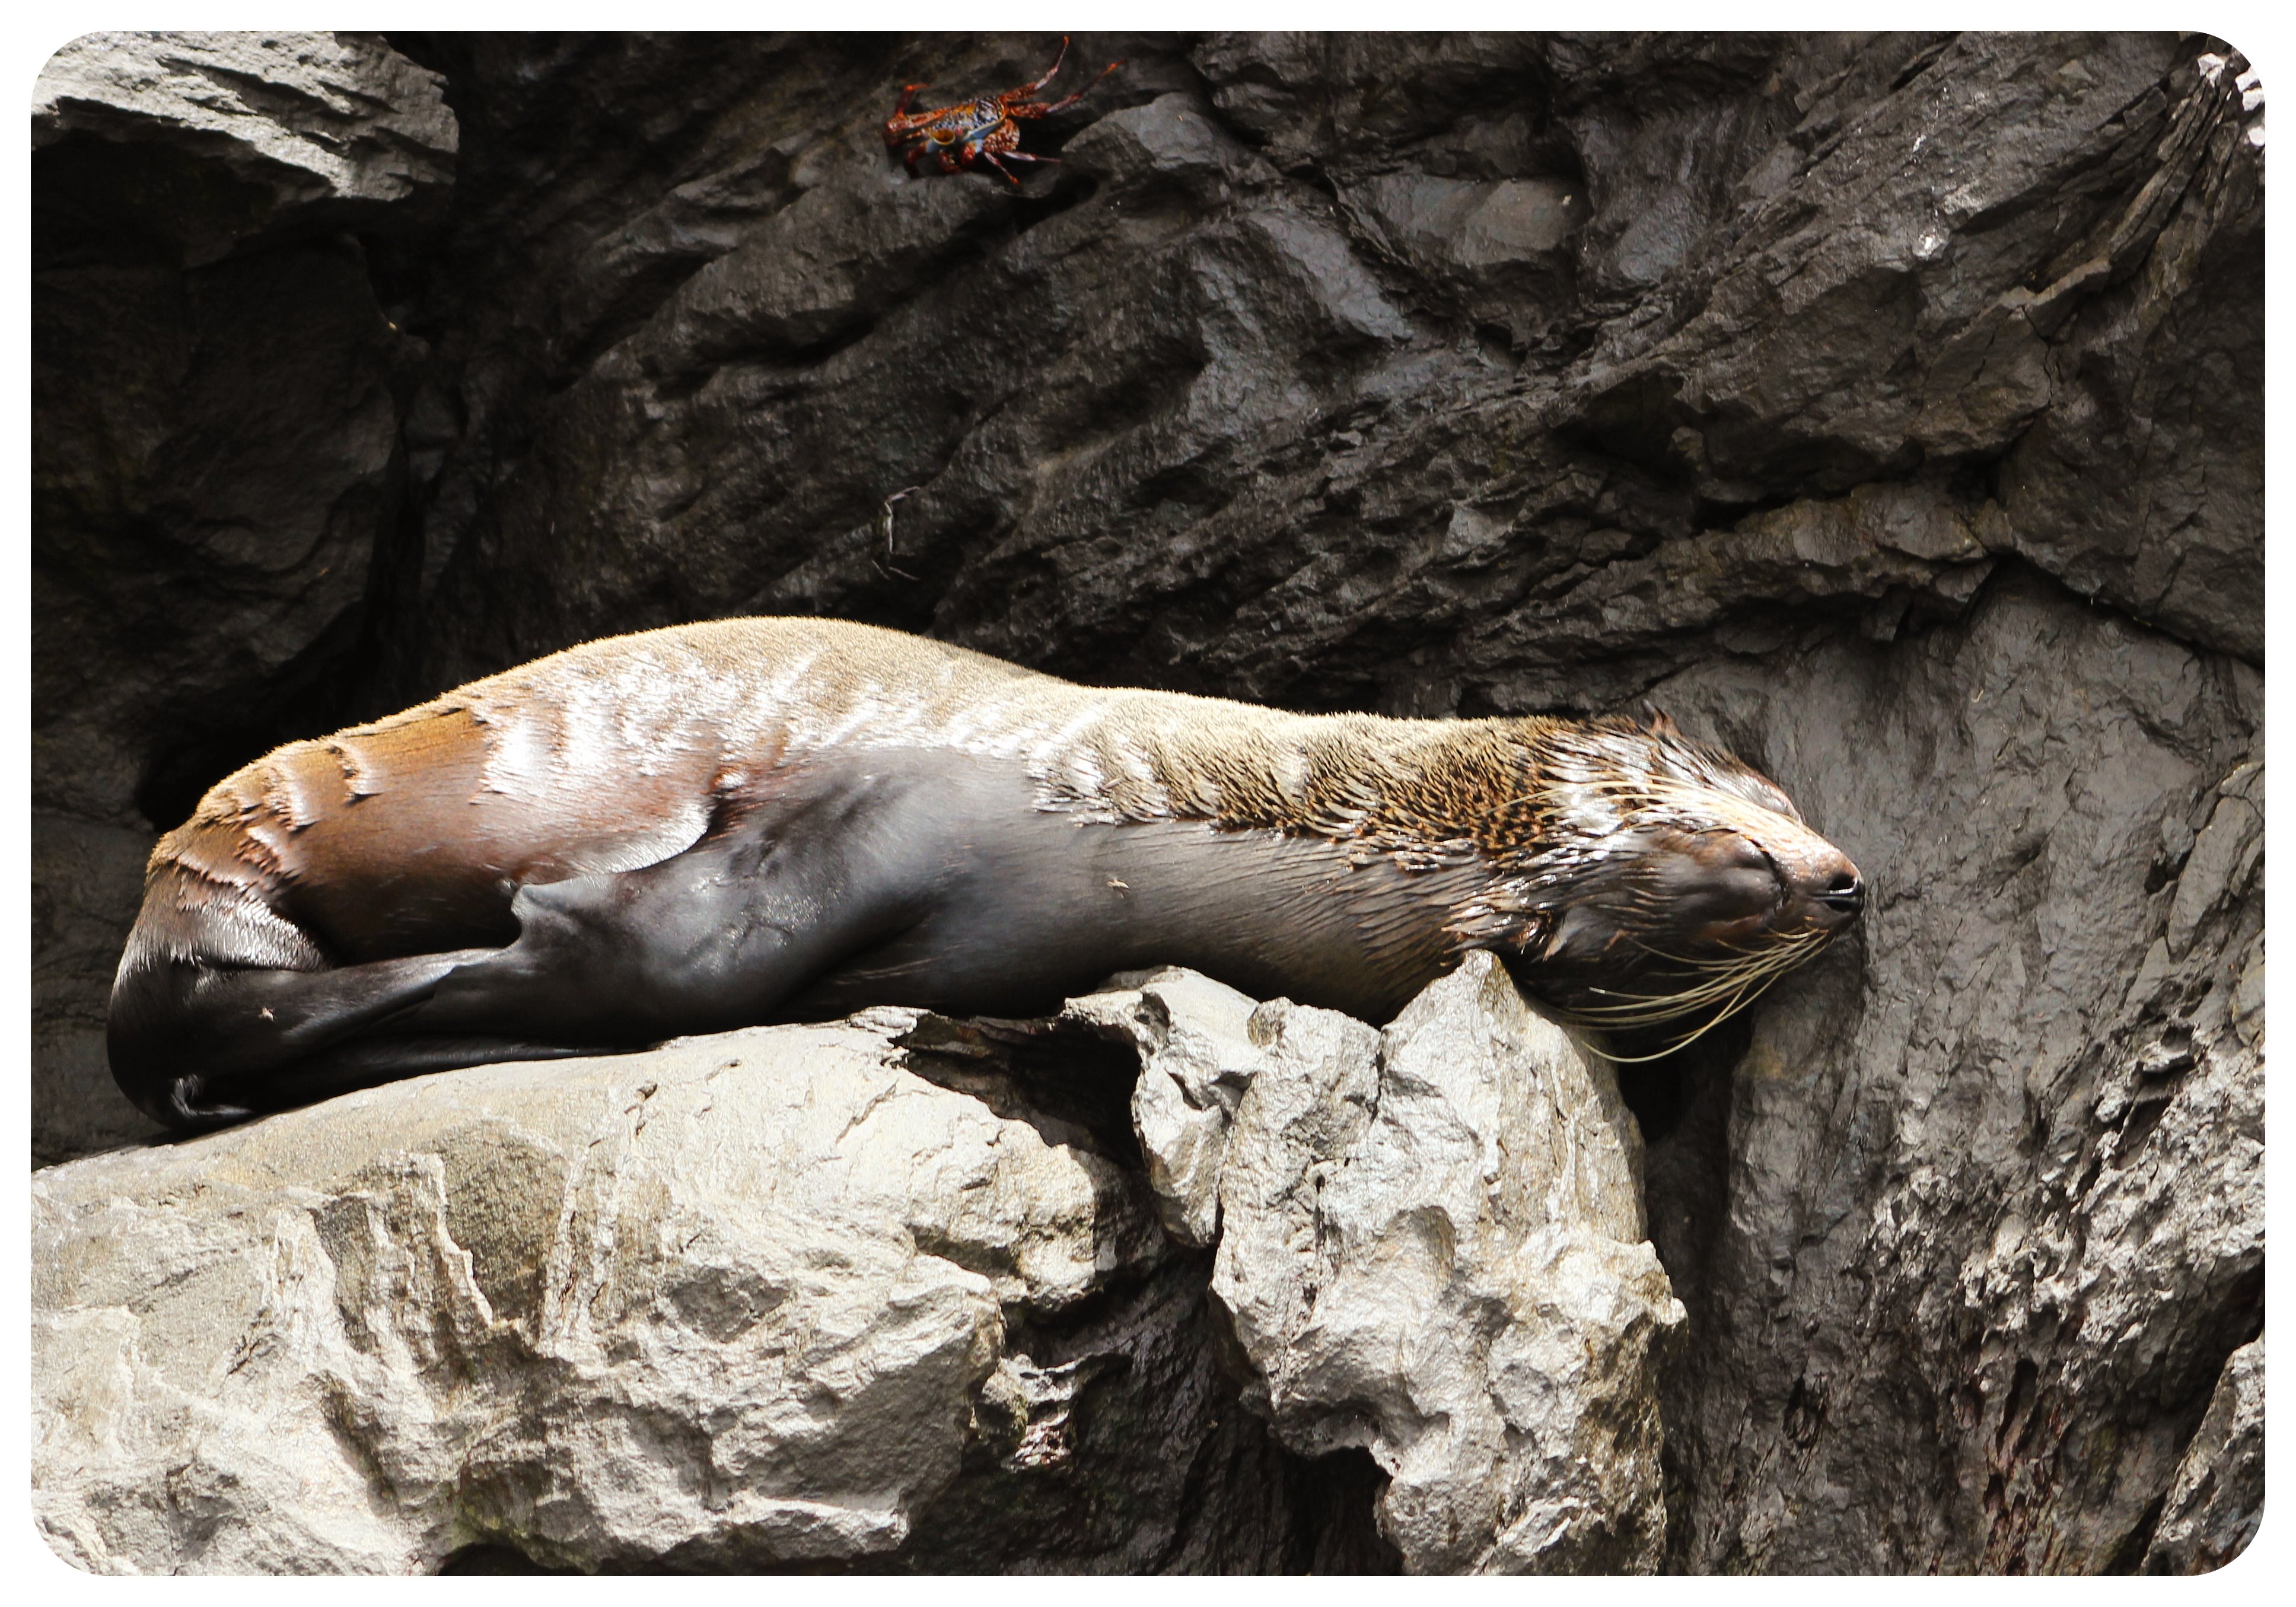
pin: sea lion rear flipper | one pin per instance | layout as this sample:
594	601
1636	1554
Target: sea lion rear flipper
361	1062
180	1029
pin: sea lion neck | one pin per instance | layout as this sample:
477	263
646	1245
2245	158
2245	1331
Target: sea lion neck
1426	794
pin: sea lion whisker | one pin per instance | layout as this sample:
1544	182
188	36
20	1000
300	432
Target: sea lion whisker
1630	1003
1739	982
1684	1041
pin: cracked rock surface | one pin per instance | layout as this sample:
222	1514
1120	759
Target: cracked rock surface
1888	406
663	1308
1431	1243
812	1297
287	124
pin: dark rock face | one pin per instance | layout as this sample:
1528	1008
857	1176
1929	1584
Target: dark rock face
1888	407
1991	1217
217	490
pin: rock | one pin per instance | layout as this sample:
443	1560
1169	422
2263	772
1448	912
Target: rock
1476	225
1864	351
816	275
2217	1503
2119	489
262	132
1172	147
1430	1244
1497	246
1198	1053
87	881
1434	1248
2224	861
762	1299
1988	1155
729	1302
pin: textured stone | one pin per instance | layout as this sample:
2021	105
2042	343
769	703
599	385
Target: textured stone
1432	1245
776	1297
1996	1166
2217	1503
2142	481
87	880
1198	1055
335	129
725	1303
1494	250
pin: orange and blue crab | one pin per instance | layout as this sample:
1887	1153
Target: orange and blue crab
978	131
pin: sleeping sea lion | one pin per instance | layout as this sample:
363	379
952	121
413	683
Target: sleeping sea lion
748	821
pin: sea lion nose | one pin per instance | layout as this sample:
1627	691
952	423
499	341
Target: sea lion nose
1836	888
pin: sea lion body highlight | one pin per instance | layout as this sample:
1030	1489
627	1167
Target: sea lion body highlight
715	825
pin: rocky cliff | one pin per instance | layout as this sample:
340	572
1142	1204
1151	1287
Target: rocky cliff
1887	406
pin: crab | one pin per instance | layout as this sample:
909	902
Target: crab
978	131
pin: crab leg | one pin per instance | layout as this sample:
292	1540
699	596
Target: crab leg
1032	110
1049	72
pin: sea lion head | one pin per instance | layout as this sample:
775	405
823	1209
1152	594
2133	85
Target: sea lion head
1656	879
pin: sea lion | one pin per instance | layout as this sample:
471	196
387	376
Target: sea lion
748	821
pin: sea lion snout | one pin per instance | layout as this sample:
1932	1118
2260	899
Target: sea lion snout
1824	888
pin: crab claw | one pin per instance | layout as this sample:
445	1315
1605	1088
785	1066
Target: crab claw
900	110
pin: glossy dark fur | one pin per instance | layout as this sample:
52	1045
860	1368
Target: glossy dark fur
403	897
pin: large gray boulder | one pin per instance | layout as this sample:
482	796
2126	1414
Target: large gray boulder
778	1298
2216	1503
288	124
731	1301
1431	1243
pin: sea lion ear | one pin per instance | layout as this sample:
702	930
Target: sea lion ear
1661	724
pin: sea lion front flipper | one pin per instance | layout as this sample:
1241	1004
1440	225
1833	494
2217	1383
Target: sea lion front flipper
705	942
